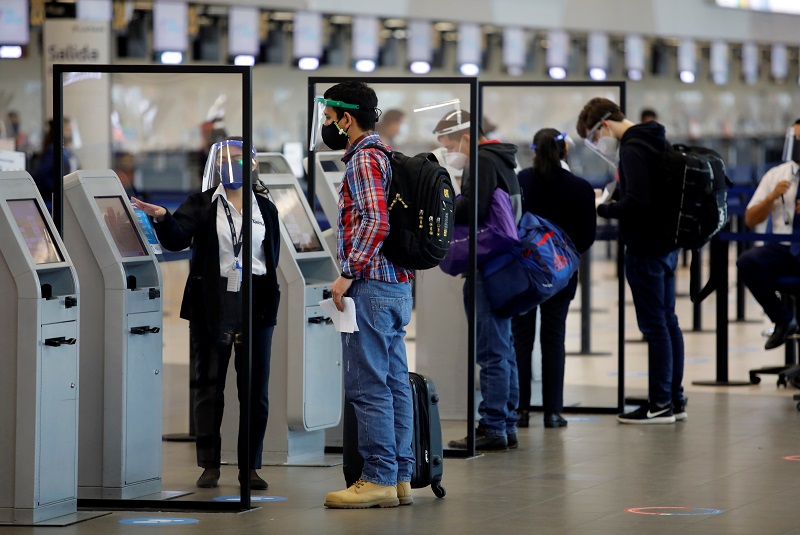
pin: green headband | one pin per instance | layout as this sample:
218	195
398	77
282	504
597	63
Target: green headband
336	103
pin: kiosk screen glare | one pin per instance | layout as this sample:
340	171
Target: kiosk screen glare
34	231
295	219
274	167
119	223
329	166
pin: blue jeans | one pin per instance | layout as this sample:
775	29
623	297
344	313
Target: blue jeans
498	362
652	282
376	379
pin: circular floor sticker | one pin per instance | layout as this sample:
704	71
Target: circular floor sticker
253	499
675	511
159	521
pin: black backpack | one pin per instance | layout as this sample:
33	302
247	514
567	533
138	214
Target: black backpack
692	188
420	201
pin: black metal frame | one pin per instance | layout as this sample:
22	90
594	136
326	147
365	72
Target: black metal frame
473	213
58	218
620	249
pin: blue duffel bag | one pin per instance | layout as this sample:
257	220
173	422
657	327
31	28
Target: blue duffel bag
521	279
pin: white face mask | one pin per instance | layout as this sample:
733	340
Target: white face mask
608	146
456	160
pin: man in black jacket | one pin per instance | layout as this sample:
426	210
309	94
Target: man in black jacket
651	257
497	429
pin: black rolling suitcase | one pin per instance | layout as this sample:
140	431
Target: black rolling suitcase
426	444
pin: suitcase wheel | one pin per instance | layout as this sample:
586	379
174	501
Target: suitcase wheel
438	490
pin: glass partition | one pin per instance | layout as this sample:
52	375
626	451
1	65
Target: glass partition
515	111
133	119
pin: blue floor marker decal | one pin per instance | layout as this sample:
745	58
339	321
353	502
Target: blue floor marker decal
158	521
675	511
253	499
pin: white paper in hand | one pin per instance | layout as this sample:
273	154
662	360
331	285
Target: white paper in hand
344	322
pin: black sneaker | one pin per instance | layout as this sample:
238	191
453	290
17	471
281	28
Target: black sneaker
209	479
513	442
779	335
679	410
648	414
483	443
553	419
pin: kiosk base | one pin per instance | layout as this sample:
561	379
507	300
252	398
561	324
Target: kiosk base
61	521
128	492
28	517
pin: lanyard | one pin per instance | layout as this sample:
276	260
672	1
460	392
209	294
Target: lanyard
237	244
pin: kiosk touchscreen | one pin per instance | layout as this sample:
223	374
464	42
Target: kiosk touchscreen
306	373
39	383
120	413
329	174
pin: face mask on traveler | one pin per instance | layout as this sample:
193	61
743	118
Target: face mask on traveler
796	151
456	160
231	174
334	137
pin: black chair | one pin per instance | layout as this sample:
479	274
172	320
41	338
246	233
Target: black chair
789	288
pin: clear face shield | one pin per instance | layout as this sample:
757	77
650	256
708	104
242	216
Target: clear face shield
606	147
225	165
454	121
319	121
791	145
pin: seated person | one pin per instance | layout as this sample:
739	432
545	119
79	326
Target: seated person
775	196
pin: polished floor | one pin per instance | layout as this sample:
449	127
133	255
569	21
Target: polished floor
729	469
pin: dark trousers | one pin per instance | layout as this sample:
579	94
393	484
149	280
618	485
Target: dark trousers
212	352
652	282
759	267
553	330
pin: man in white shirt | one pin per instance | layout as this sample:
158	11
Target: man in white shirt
776	196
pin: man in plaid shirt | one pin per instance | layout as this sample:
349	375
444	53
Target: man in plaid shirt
375	366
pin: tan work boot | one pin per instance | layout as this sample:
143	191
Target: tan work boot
363	494
404	493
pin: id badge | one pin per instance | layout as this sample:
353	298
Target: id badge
235	278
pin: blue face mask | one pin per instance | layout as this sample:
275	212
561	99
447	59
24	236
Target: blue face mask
231	175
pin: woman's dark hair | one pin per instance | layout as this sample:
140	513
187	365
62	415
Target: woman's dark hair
550	150
359	93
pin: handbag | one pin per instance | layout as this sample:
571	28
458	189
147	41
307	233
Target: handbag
519	280
497	234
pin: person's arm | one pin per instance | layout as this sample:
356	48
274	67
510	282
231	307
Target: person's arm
174	231
763	200
637	198
274	239
487	182
587	220
369	196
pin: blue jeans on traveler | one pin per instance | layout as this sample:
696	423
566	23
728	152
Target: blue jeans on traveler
376	379
498	362
652	282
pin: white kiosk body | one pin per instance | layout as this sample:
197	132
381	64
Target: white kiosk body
120	412
330	173
39	383
306	367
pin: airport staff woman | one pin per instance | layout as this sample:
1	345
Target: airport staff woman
211	223
550	191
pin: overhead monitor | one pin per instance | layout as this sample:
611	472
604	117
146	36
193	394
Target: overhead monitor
295	219
121	226
35	231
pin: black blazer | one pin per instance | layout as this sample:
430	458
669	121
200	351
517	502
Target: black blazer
194	224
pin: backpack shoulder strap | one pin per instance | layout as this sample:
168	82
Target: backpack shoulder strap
648	146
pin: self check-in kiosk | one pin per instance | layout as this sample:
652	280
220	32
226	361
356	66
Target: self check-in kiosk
329	173
120	409
39	383
305	390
